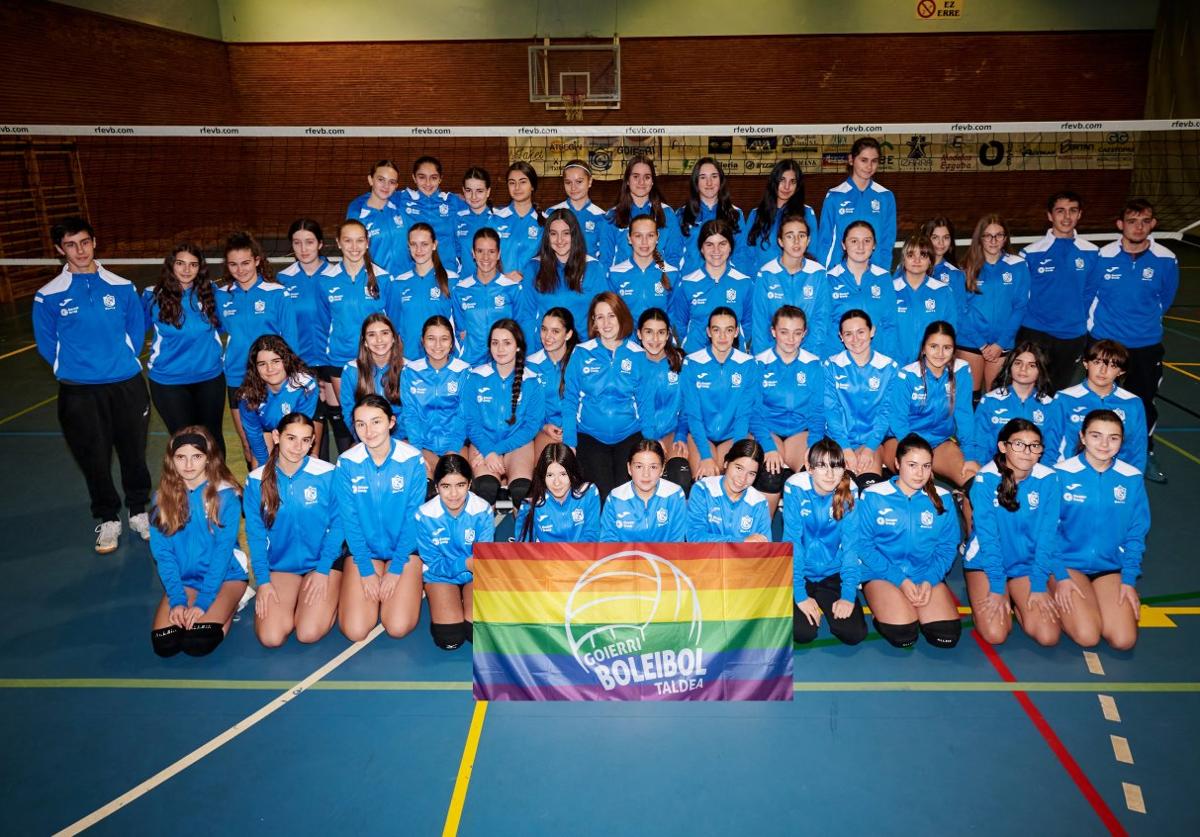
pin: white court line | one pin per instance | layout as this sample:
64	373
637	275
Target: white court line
1093	663
1121	751
1109	707
1133	797
224	738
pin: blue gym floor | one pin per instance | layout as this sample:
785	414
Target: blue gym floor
878	740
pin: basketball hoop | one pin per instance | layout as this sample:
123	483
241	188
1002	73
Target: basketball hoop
573	106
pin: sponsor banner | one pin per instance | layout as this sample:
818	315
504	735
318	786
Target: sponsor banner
609	621
626	132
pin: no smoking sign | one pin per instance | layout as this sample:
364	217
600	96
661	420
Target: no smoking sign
939	9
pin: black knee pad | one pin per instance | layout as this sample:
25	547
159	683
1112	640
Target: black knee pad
165	641
769	483
448	635
469	627
518	490
487	487
901	636
341	433
202	639
865	481
943	634
677	471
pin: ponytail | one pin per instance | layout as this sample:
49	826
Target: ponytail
514	329
662	265
1006	491
828	452
270	488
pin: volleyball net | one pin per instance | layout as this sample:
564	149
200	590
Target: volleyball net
147	187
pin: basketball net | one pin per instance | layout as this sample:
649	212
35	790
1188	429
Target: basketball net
573	106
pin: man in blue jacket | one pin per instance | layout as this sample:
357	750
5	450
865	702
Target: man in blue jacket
89	326
1129	290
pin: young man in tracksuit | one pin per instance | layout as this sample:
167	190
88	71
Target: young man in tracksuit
1059	264
1129	289
89	326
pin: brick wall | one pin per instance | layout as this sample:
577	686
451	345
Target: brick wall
65	65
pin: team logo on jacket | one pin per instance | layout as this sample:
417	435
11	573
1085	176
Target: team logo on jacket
926	519
658	289
930	305
443	210
1006	278
736	379
661	516
452	387
1119	493
875	206
1120	413
1079	264
259	306
808	292
731	295
589	226
469	535
435	292
497	302
533	232
1148	273
285	408
883	520
1039	417
873	383
801	379
110	301
1034	498
746	523
672	377
397	483
577	515
876	293
310	494
626	365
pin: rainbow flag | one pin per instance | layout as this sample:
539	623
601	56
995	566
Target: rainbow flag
605	621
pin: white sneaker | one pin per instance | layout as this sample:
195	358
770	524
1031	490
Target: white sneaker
140	523
108	536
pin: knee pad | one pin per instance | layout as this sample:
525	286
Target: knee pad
851	630
202	639
518	490
165	641
900	636
679	472
769	483
487	487
448	635
943	634
337	424
865	481
469	627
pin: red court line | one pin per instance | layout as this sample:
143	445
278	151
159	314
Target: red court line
1056	746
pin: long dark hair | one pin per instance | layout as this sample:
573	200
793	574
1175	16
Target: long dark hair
307	225
944	328
553	453
368	263
913	442
1006	491
623	211
254	389
659	261
671	350
564	316
768	207
514	329
1042	388
439	270
546	280
829	452
942	221
270	478
726	211
366	363
168	294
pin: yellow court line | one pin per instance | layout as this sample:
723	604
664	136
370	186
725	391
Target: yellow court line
1174	367
17	351
29	409
1159	438
1180	319
1181	363
459	797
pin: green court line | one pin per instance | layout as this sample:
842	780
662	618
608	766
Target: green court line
1171	597
1091	686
